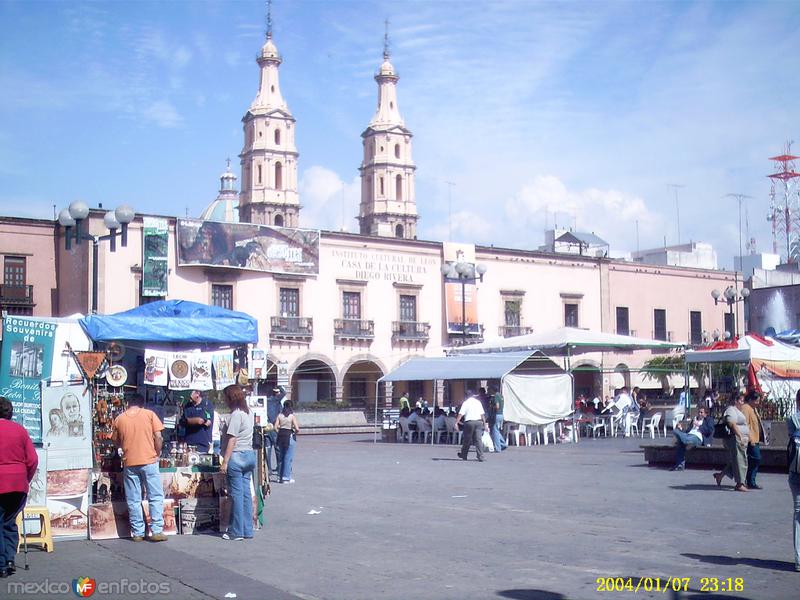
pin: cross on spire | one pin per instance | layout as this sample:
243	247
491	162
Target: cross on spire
386	53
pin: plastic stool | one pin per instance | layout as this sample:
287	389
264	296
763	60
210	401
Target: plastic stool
44	537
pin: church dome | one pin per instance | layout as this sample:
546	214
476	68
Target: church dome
226	205
387	68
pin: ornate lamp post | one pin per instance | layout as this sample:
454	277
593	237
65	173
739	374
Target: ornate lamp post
730	296
72	218
464	272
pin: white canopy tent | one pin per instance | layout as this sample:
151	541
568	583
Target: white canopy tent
567	341
535	389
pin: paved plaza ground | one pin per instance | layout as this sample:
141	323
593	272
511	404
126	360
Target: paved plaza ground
403	521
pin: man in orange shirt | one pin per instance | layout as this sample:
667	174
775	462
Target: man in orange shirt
138	432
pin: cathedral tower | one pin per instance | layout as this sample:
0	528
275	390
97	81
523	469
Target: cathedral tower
388	202
269	156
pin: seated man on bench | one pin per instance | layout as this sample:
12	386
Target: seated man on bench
700	434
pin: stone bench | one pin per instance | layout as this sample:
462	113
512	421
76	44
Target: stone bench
773	458
333	421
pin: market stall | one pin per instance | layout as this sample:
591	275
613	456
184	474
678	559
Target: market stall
163	350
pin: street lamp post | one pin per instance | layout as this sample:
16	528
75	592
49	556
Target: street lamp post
463	271
71	220
730	296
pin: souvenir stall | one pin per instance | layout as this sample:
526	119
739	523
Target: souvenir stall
161	350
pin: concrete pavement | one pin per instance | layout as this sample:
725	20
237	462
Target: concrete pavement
413	521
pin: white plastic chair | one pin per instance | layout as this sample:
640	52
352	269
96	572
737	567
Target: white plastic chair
513	434
651	424
631	423
596	424
549	430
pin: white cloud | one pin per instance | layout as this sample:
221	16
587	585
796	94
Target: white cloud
610	214
163	114
328	202
181	57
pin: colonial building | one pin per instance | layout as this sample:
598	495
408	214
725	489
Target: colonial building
338	310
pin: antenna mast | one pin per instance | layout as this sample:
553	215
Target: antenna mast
784	204
269	19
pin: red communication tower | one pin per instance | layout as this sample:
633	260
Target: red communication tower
784	205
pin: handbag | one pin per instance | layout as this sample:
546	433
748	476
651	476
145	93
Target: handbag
487	442
721	430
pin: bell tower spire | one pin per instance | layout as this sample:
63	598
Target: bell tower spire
269	155
388	201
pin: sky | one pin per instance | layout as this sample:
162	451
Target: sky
632	120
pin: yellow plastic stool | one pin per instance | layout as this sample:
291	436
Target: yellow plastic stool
44	537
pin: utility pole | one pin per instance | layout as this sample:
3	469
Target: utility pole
450	185
740	198
675	187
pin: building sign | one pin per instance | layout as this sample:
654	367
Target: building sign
374	265
26	359
248	246
154	257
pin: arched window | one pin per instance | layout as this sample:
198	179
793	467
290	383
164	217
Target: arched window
278	220
398	231
397	150
380	180
398	188
278	176
259	173
277	137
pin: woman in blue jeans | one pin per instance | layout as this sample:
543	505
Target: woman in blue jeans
287	427
239	464
793	425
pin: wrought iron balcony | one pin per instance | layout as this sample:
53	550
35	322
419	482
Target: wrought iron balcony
291	328
513	330
353	329
16	294
410	331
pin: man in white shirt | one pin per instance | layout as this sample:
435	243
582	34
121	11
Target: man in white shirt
474	417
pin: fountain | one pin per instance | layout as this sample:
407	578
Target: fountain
777	314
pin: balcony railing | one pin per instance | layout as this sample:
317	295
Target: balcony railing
513	330
353	329
289	328
16	294
410	331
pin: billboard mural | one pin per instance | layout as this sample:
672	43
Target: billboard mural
248	246
154	257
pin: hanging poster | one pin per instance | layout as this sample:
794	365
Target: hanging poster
155	250
26	359
66	411
37	495
201	371
180	372
155	367
248	246
223	369
69	338
257	364
461	302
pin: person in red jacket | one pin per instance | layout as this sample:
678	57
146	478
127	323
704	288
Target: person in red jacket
18	462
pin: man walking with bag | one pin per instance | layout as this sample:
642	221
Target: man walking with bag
474	417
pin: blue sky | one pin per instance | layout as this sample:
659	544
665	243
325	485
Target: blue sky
580	112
